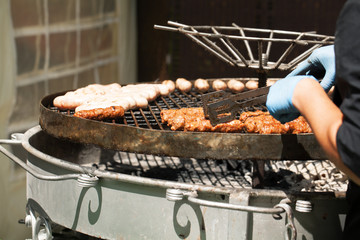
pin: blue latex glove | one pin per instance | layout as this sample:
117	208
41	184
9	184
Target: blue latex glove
279	99
320	64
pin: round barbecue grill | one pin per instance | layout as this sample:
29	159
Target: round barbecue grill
141	131
134	178
109	194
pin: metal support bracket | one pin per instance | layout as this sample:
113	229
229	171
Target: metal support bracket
84	179
290	234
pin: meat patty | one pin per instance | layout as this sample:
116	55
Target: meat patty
193	119
263	123
100	114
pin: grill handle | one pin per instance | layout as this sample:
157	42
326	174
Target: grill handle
84	179
283	206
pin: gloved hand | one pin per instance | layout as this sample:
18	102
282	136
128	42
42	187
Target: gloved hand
279	99
320	64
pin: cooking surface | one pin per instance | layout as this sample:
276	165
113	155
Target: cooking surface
150	117
141	131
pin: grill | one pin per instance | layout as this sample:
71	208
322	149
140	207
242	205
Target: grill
109	194
141	131
133	178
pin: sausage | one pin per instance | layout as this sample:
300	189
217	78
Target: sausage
235	86
164	89
135	100
141	102
70	101
201	85
251	85
270	82
170	84
219	85
149	91
183	85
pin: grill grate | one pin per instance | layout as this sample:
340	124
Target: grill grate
149	117
309	176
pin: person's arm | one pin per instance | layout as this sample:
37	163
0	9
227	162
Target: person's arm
324	118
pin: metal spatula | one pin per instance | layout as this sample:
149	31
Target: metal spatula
221	106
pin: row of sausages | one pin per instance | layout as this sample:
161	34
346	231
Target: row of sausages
202	85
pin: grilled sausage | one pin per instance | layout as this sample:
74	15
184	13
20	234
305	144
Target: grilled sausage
270	82
170	84
235	86
183	85
251	85
164	89
219	85
201	85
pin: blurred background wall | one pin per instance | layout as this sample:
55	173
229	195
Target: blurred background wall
49	46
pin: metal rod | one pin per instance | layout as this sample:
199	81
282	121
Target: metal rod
156	119
33	172
183	30
304	55
262	30
245	42
220	51
235	57
210	49
236	207
246	38
11	142
303	42
146	119
232	49
260	49
133	116
287	51
173	100
269	44
183	100
224	57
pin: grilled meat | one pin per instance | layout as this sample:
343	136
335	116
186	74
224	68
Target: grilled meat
193	119
299	125
113	112
263	123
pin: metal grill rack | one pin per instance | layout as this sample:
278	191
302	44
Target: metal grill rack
309	176
253	47
149	118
